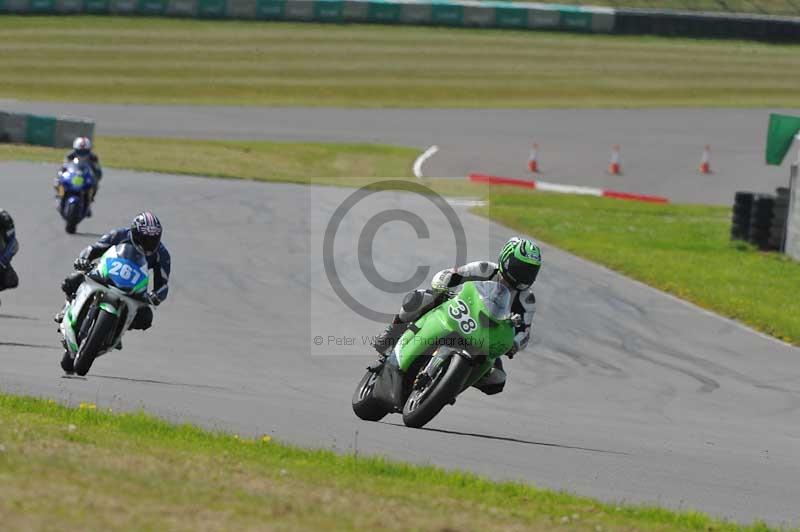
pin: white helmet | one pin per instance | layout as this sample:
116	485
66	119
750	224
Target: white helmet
82	145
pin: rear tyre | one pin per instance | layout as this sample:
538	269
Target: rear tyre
427	401
103	327
364	404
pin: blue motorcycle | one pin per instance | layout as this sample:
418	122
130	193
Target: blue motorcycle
74	190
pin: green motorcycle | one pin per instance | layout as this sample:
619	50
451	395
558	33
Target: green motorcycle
441	354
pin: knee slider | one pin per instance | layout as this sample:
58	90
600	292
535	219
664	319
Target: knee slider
494	382
143	319
492	389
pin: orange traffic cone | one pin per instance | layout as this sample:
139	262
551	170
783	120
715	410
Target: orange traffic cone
533	163
615	165
705	163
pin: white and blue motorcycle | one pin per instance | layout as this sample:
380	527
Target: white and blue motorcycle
104	306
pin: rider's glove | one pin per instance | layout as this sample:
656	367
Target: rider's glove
153	299
511	352
441	281
82	264
521	340
522	337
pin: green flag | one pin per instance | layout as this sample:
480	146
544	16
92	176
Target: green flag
781	133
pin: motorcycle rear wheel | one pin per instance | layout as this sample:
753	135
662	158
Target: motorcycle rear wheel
364	405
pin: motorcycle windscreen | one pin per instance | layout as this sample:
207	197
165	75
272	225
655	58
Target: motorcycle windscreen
496	298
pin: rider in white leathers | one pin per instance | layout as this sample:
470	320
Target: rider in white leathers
517	268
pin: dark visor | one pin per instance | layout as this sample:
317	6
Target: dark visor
524	273
148	243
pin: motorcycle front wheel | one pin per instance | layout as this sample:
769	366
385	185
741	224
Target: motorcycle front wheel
72	216
103	327
427	400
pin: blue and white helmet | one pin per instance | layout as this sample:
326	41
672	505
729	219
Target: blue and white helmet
146	232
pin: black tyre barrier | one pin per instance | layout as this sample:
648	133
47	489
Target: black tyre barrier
761	221
780	219
742	206
779	213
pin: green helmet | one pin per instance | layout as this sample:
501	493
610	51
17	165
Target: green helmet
519	262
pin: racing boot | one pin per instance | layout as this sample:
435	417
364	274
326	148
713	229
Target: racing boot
69	287
58	318
386	340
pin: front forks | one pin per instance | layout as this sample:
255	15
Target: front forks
91	314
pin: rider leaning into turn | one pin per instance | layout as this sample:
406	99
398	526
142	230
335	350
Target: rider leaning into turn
8	248
145	235
517	268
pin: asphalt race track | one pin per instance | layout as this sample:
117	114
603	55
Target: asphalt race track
626	393
661	148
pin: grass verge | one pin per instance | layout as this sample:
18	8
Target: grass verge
173	61
259	160
74	469
682	249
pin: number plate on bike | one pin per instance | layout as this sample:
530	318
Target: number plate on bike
459	312
126	274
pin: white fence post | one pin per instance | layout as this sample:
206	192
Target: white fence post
793	220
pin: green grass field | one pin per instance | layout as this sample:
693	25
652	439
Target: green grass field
150	60
763	7
682	249
87	469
